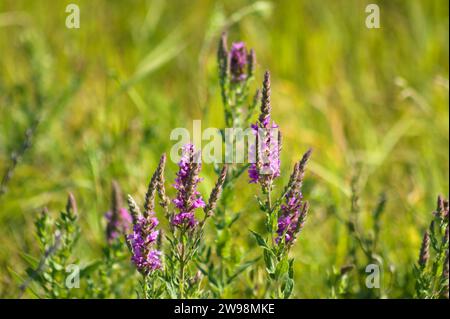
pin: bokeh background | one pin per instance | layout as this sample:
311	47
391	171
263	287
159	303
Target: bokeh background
373	103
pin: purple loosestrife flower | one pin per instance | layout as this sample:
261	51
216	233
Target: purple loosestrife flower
293	213
188	198
142	242
154	259
268	143
118	218
287	222
291	219
236	70
116	225
238	62
187	219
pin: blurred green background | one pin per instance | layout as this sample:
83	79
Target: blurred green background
373	103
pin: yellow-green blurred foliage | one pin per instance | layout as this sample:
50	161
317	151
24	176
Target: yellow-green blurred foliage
373	103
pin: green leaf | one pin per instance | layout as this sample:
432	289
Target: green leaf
241	269
261	204
171	290
260	240
282	268
269	260
30	260
165	51
89	269
288	287
56	266
235	218
291	268
47	277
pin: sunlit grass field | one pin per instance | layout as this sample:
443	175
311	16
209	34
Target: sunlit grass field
102	100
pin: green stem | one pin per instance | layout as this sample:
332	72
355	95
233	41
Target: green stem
269	209
182	280
146	286
182	265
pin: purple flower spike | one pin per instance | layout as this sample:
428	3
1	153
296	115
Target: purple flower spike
292	214
154	259
117	225
188	197
141	242
184	219
238	62
288	220
118	219
268	144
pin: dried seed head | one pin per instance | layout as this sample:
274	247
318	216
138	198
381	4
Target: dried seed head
215	193
424	254
134	208
71	206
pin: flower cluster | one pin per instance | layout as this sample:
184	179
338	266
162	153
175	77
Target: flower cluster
432	264
238	61
118	222
236	71
118	219
188	198
288	222
268	143
142	241
293	213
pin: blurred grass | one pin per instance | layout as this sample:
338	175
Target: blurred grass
372	102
